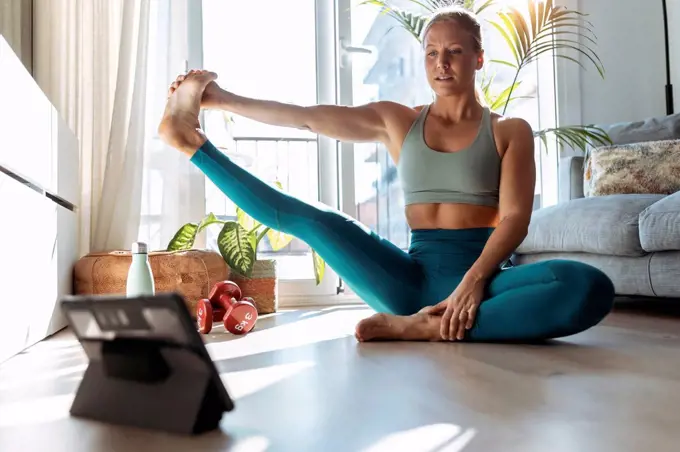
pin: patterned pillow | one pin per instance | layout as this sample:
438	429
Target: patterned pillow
650	167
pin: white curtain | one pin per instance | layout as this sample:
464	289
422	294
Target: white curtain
106	66
90	59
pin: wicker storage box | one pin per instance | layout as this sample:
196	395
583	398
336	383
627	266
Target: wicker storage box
262	286
191	273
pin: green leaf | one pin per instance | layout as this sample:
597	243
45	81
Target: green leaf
503	62
504	97
509	42
529	40
207	221
578	137
414	23
246	221
319	267
237	247
184	238
278	240
483	6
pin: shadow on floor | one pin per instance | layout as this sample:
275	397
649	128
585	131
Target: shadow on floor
654	307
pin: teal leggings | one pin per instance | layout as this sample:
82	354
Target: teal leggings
529	302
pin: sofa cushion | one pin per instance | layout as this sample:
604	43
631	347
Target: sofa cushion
600	225
650	129
660	225
648	167
664	268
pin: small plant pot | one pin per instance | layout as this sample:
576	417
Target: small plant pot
262	285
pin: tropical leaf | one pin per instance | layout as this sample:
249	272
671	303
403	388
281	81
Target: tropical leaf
414	23
504	98
544	32
485	84
550	29
577	137
237	247
278	240
433	5
246	221
479	9
184	238
319	267
503	62
207	221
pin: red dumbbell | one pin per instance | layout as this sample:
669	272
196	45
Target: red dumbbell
240	313
207	314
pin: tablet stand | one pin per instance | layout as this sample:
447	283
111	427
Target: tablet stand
149	384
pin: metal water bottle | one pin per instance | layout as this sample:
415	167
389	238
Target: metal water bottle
140	277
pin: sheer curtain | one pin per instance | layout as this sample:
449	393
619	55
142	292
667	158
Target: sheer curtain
106	66
90	59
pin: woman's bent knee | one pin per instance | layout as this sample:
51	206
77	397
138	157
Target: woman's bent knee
587	293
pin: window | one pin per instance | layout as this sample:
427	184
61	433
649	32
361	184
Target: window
264	57
302	52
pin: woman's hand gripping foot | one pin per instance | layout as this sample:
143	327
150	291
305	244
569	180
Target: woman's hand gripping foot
179	126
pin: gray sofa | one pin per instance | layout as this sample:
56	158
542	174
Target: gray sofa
633	238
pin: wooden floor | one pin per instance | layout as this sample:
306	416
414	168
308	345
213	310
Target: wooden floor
302	383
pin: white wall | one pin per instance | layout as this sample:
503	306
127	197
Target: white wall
674	32
629	37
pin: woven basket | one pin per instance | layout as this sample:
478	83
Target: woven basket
191	273
262	286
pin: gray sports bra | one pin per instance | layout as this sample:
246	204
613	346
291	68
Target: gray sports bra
469	176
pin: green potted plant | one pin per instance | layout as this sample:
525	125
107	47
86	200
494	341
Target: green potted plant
238	242
550	30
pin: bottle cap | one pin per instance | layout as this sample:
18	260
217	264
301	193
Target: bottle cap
139	248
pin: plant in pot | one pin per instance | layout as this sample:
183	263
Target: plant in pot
540	29
238	242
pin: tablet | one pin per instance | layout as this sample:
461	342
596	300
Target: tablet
147	351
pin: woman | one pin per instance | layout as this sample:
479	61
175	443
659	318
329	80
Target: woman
468	176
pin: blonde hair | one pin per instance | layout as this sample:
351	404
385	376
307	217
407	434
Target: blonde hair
468	21
465	18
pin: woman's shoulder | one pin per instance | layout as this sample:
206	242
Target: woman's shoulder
510	129
397	107
508	122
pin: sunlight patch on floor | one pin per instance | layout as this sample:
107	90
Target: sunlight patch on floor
434	437
246	382
36	411
305	331
21	380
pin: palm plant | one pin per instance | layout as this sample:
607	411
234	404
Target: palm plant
544	29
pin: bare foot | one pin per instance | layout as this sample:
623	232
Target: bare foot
212	95
416	327
179	127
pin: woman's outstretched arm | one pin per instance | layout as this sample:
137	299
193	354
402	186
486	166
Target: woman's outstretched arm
371	122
